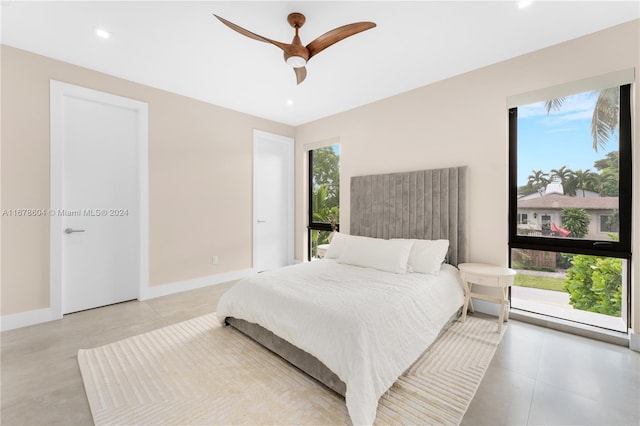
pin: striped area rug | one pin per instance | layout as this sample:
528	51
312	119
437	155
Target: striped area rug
199	373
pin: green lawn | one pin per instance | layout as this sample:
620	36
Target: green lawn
546	283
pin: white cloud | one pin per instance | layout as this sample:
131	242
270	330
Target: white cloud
574	108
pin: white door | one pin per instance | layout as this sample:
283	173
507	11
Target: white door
272	201
97	209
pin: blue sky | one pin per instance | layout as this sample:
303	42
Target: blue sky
560	138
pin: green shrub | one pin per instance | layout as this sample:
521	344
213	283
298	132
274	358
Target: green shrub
595	284
576	221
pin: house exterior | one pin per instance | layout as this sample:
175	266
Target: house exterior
537	216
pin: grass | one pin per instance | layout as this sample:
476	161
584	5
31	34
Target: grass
545	283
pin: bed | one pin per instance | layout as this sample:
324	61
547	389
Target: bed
359	318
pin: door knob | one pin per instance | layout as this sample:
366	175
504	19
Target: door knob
71	231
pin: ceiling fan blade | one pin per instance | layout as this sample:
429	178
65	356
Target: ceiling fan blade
283	46
335	35
301	74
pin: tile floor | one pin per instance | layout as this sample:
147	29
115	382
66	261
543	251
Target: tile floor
538	376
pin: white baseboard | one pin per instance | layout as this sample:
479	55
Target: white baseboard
634	341
38	316
25	319
485	307
180	286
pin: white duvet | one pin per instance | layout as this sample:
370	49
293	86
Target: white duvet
365	325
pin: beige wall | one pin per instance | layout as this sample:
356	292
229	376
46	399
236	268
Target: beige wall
463	121
200	178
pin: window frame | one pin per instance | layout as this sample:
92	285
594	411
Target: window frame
619	249
314	226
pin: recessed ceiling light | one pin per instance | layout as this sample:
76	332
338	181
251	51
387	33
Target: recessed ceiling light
524	3
102	33
289	101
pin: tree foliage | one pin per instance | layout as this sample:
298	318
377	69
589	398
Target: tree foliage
563	174
326	172
579	180
326	192
322	212
595	284
605	117
607	182
575	182
575	220
610	161
538	180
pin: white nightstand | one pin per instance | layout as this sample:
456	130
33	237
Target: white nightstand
488	276
321	250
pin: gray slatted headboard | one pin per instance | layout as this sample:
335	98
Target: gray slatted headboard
426	204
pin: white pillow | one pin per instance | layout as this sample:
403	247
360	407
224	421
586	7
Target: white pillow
336	246
427	255
376	253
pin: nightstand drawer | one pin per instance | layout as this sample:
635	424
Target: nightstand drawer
482	279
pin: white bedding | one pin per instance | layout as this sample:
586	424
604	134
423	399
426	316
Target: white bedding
365	325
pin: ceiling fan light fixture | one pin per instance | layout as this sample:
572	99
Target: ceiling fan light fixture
296	61
102	33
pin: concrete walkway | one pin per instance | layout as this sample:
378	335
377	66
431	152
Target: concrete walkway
555	298
556	304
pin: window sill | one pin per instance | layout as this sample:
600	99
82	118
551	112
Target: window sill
596	333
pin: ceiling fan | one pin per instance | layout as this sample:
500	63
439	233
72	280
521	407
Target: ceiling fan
297	55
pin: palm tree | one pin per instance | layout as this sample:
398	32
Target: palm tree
563	173
538	179
605	114
322	211
580	179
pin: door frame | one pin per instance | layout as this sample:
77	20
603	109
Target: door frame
259	135
58	91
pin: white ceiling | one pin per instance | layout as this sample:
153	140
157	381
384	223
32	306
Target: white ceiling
180	47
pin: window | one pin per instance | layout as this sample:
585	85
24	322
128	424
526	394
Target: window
324	198
609	223
570	172
578	287
523	219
